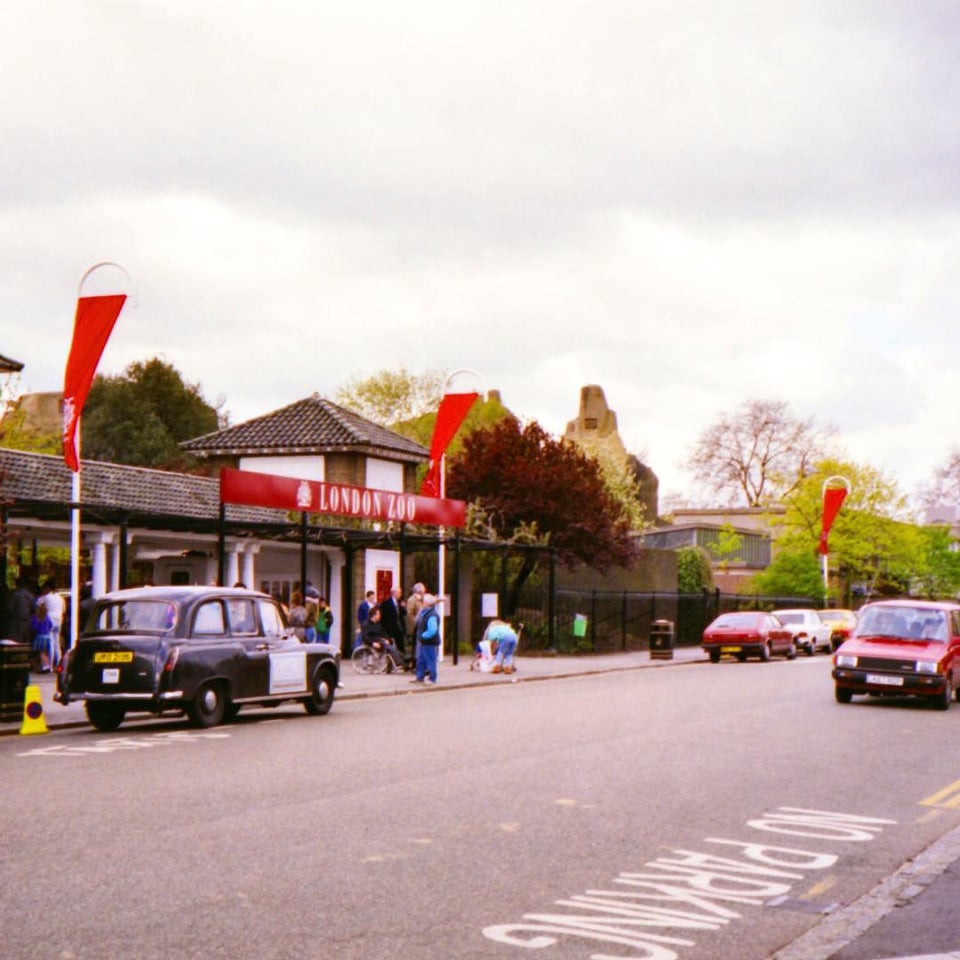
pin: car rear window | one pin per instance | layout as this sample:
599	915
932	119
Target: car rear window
737	620
791	617
136	615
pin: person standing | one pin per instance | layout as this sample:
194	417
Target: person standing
324	620
363	611
19	608
428	640
414	604
55	605
41	633
393	618
298	615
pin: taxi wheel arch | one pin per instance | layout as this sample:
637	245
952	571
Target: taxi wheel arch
105	717
209	706
323	686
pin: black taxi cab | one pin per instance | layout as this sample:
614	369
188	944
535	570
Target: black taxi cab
205	651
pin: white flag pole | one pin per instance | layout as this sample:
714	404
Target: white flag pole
75	548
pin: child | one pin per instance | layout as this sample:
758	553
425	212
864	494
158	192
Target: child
41	632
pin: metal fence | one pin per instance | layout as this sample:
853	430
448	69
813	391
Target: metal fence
598	621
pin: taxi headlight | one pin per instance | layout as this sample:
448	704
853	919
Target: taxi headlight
927	666
845	660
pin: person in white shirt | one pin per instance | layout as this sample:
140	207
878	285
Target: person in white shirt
55	605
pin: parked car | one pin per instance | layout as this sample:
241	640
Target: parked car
810	633
901	648
841	622
747	633
204	650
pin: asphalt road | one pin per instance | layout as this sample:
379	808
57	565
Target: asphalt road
709	811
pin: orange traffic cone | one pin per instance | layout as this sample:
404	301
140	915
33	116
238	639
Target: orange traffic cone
33	718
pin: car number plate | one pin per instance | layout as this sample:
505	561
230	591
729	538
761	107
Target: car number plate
730	649
111	675
884	681
113	656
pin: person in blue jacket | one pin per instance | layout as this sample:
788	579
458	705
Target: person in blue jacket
428	640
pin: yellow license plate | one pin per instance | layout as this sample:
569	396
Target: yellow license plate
113	656
730	649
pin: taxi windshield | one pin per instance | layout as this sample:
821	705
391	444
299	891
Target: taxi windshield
135	615
904	623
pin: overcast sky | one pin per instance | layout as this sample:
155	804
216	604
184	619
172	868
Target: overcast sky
689	204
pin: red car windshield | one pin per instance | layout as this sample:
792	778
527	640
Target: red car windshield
903	623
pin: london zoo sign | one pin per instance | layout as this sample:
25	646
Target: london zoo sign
337	499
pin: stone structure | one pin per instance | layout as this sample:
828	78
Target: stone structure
596	429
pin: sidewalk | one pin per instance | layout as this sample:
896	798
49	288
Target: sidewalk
357	686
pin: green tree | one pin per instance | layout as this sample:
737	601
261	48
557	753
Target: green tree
392	396
758	454
873	545
15	435
939	574
694	572
141	417
527	485
792	573
726	545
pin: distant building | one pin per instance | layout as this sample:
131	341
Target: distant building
752	540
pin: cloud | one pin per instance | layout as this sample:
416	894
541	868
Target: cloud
691	205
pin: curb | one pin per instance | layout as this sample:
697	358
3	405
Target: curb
565	674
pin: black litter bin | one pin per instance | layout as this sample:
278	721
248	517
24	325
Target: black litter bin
14	678
661	640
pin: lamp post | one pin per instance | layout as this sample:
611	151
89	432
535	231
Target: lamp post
441	549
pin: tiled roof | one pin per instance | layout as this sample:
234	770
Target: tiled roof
44	481
313	425
9	366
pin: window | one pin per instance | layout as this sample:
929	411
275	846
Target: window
270	618
243	619
209	620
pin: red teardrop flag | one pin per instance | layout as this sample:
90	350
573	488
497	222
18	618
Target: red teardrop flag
91	329
833	497
453	408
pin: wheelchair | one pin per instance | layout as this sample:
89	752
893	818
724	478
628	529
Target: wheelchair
374	659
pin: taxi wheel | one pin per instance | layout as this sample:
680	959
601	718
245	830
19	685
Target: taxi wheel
105	716
208	706
322	690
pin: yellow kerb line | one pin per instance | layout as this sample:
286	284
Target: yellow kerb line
938	799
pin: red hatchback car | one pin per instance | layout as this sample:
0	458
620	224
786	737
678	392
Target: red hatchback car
901	648
748	633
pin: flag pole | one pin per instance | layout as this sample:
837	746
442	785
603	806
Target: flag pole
93	323
441	547
840	482
75	549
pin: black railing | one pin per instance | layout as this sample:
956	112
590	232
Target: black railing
599	621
